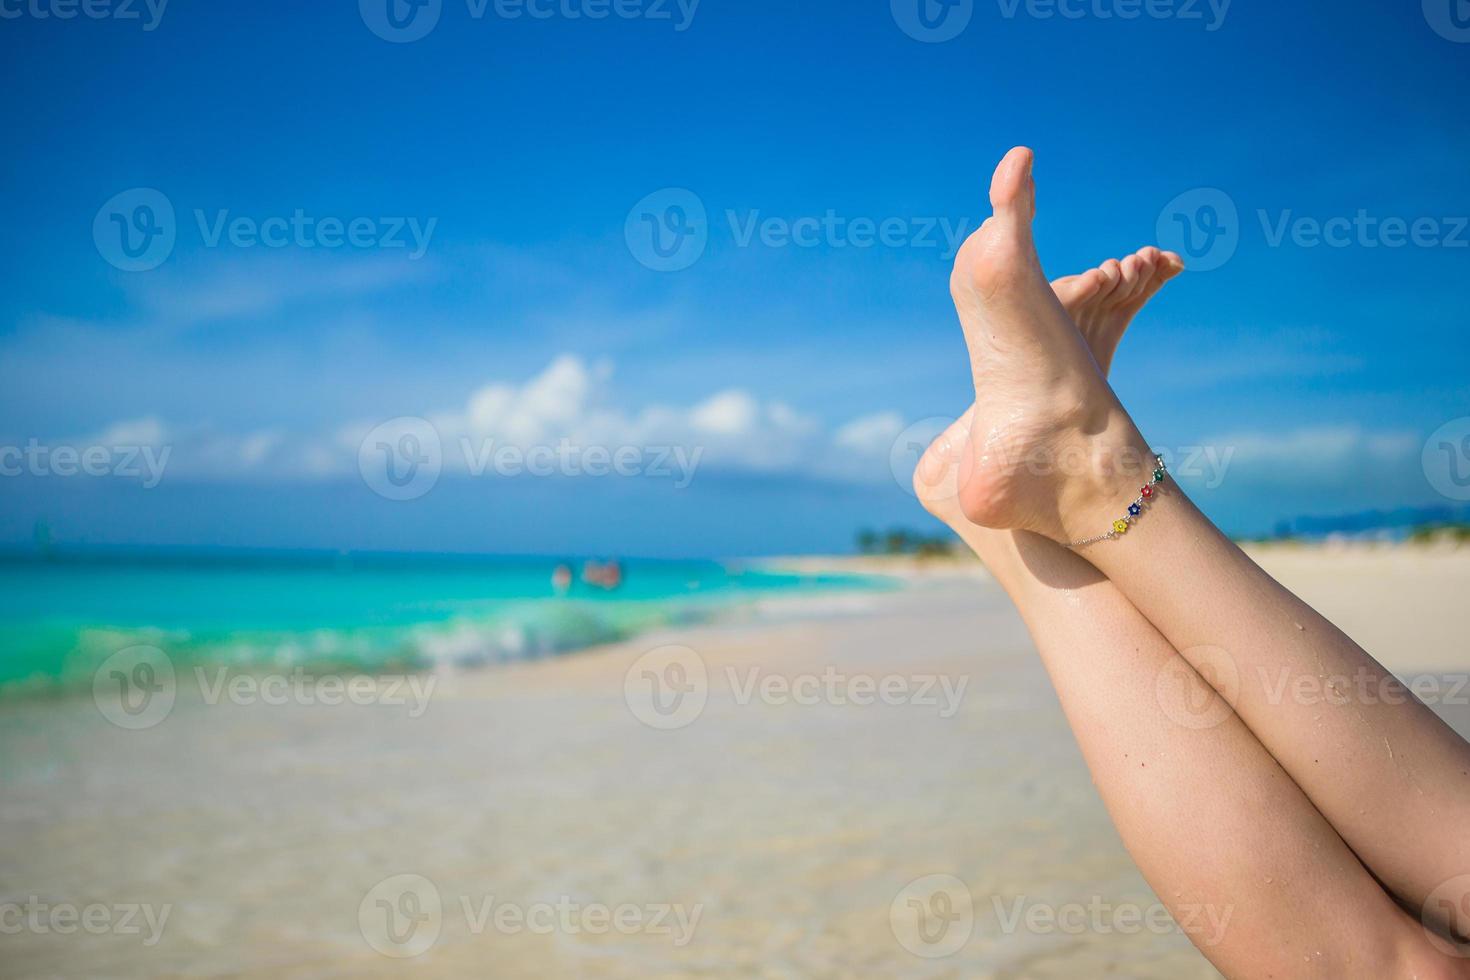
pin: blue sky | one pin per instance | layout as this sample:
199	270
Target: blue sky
519	145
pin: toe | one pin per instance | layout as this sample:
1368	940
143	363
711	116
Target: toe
1133	269
1170	264
1012	192
1151	259
1165	266
933	477
1074	291
1112	273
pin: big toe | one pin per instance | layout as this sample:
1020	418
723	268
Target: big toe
1013	192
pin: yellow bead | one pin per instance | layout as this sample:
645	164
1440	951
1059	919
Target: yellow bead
1121	527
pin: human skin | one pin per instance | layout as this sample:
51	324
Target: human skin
1282	809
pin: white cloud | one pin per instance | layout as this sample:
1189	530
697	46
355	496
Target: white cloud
871	434
1319	447
570	400
1328	457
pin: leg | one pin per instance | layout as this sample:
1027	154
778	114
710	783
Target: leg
1188	801
1392	779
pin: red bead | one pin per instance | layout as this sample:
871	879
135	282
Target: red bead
1147	492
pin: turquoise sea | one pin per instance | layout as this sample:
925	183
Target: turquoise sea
64	615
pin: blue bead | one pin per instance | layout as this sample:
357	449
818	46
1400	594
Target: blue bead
1135	510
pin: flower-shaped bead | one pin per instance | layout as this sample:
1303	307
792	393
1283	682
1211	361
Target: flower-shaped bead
1147	492
1134	509
1120	527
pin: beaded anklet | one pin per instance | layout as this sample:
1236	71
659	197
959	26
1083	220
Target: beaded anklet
1135	510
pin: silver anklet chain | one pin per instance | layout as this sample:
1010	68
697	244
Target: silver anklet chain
1135	510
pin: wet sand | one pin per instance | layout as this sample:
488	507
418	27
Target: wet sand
566	826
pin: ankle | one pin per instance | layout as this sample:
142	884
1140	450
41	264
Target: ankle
1118	463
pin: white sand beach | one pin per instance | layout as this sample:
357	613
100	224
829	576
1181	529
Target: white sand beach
848	747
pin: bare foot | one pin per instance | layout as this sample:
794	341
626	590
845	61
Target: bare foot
1102	302
1050	449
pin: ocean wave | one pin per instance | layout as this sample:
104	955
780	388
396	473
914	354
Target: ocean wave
53	659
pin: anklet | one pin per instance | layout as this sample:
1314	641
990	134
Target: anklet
1135	510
